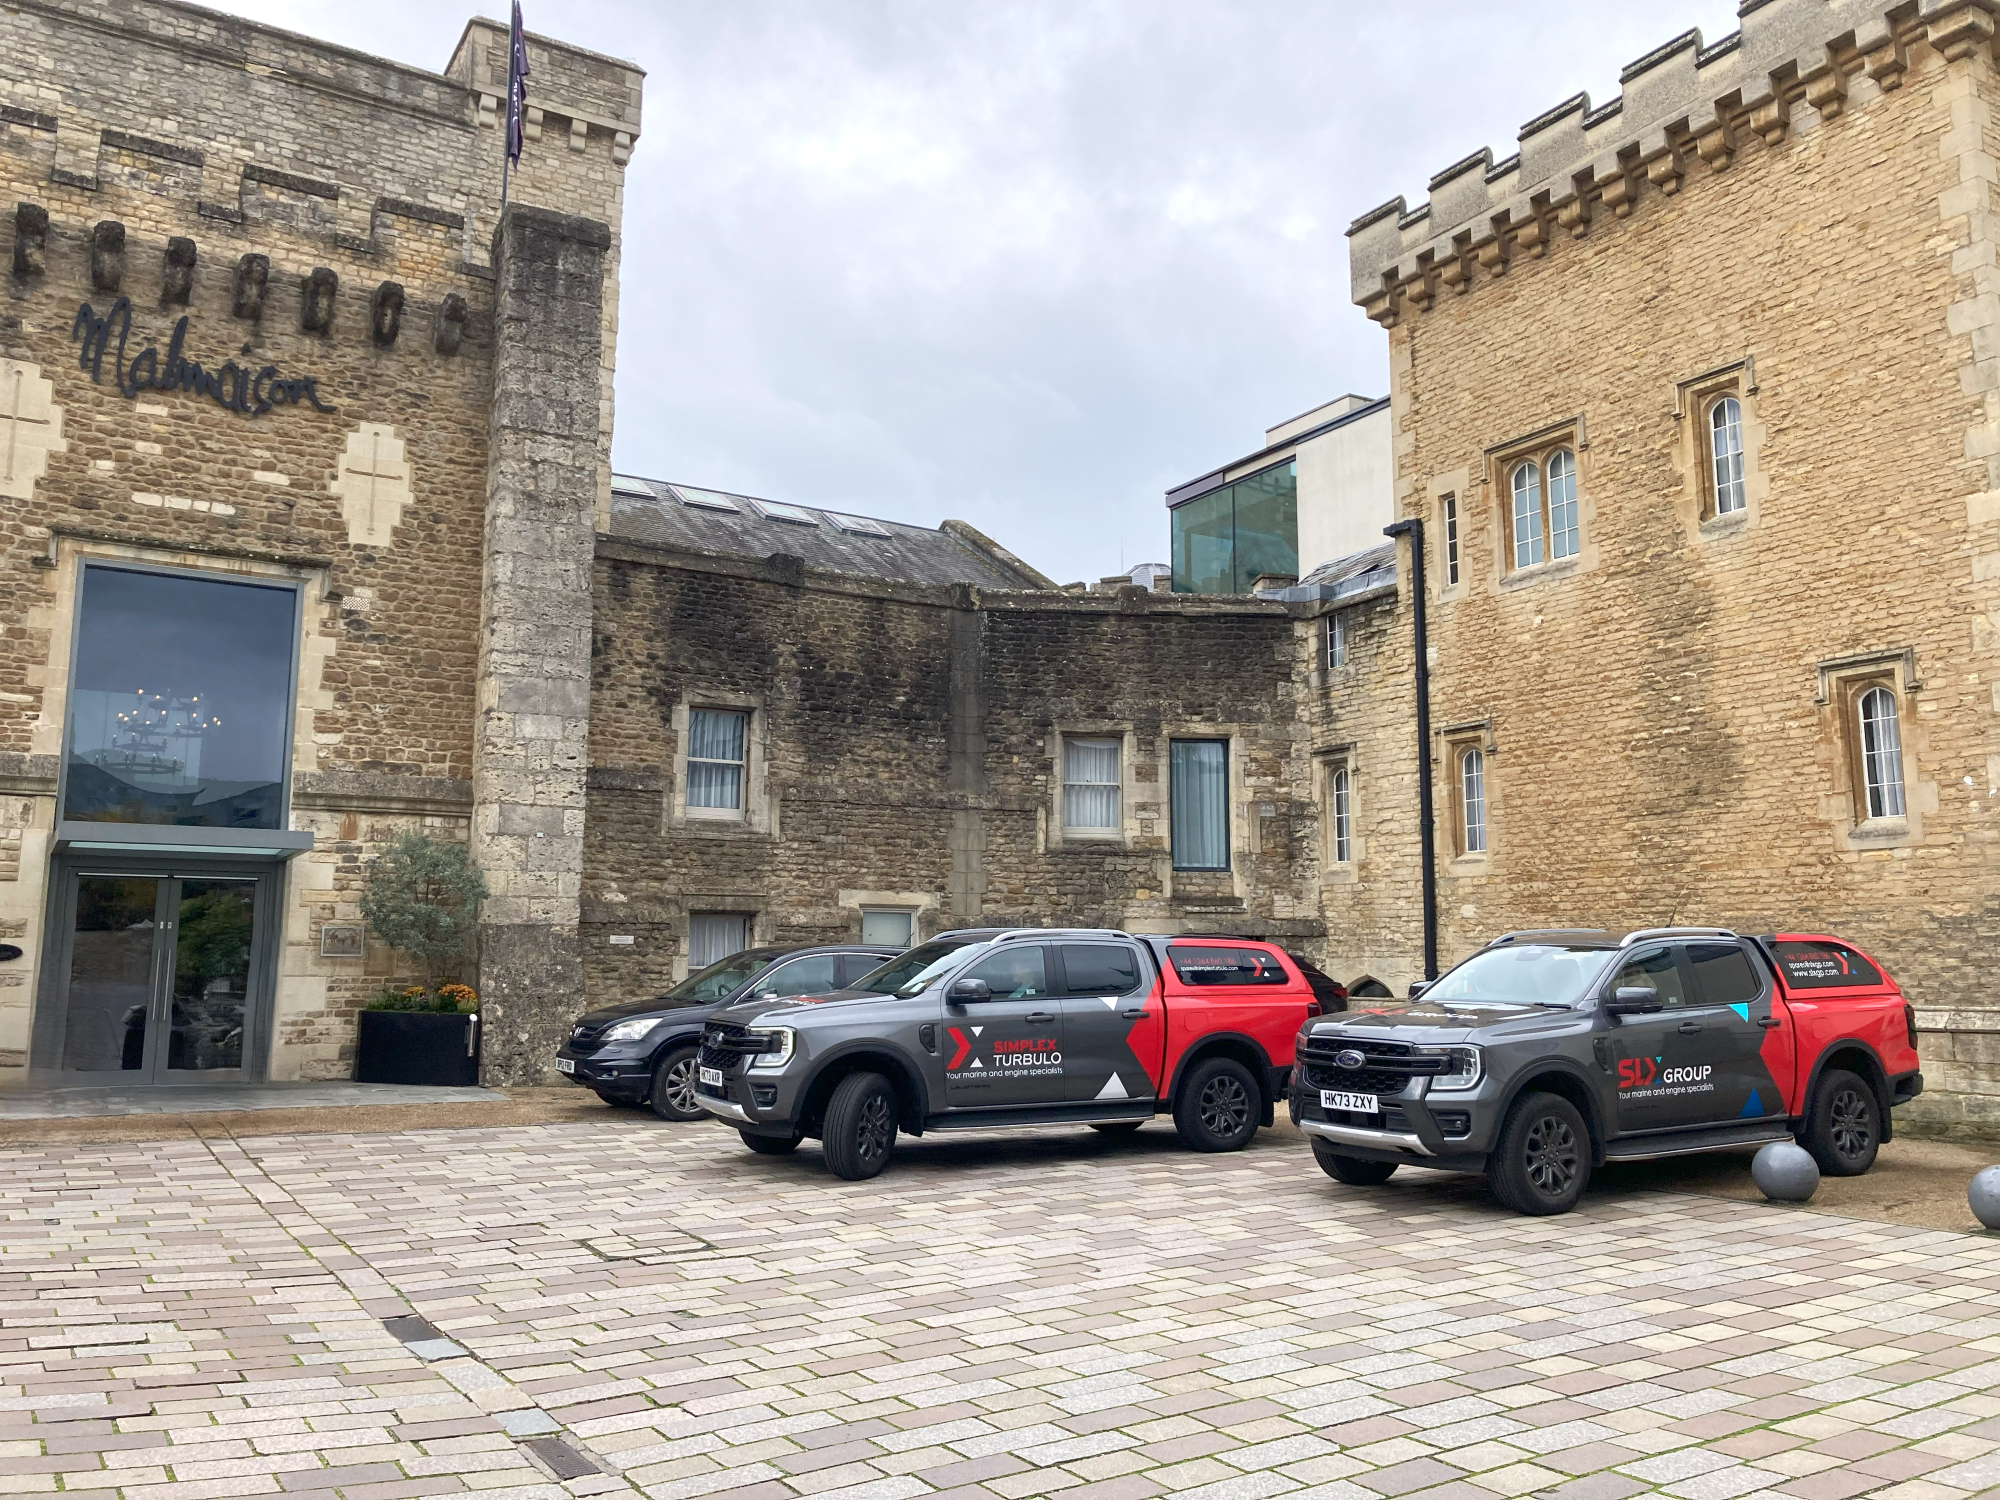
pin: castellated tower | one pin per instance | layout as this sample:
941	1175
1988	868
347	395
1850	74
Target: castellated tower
267	344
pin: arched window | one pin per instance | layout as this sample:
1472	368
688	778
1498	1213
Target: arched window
1562	504
1472	801
1343	816
1725	454
1881	753
1527	515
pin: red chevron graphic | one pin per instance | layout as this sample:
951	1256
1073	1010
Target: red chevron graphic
964	1047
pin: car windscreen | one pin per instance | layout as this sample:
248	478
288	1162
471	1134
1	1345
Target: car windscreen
1527	974
720	979
911	973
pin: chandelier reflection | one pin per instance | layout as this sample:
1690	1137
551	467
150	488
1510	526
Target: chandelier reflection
153	726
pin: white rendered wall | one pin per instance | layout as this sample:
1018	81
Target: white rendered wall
1346	490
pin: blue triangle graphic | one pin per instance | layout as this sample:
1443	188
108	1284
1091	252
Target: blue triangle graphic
1741	1010
1754	1110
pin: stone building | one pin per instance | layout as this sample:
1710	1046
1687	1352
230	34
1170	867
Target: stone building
1696	397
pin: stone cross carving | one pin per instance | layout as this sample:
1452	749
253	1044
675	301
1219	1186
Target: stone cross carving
374	484
30	428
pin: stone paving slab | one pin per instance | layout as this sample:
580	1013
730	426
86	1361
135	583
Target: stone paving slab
20	1102
628	1308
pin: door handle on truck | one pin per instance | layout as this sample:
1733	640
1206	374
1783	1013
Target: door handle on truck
1689	1028
1039	1015
1134	1015
1768	1022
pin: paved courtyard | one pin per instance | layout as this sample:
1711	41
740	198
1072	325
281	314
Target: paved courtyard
626	1306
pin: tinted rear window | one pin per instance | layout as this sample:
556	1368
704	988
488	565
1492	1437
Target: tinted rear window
1225	966
1723	974
1100	968
1824	966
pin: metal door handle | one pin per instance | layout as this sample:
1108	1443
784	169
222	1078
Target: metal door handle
1689	1028
1133	1015
1039	1015
1768	1022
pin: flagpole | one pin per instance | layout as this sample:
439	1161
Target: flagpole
512	119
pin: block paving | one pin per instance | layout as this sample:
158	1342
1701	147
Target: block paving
630	1307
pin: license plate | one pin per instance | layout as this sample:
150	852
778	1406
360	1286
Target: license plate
565	1065
1360	1104
711	1078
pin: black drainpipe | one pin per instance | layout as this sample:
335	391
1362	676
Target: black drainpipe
1414	529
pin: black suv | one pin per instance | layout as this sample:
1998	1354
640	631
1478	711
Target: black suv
642	1052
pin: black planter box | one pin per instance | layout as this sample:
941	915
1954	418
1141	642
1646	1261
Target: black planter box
411	1046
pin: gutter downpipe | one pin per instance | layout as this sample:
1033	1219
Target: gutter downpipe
1413	528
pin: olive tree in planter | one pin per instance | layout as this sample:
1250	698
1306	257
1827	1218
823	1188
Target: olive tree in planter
422	895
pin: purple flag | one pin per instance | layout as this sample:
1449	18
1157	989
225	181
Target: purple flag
517	84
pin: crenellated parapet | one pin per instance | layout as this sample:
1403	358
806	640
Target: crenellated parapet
1686	106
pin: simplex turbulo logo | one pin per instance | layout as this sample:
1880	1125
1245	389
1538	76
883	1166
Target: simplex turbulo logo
1014	1057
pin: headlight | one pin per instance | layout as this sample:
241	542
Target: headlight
779	1044
1463	1063
631	1031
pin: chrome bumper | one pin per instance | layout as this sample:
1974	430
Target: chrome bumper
1353	1136
722	1109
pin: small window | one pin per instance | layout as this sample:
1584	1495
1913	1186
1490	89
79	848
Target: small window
1336	641
1100	970
1723	974
714	935
1527	515
815	974
1090	802
1225	966
1881	753
1725	455
1449	505
715	760
1655	969
1198	797
1825	966
1018	971
891	929
1562	504
1472	801
1343	815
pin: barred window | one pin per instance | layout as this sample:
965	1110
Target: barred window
1881	753
1725	453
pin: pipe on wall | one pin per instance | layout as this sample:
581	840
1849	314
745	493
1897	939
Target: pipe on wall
1413	528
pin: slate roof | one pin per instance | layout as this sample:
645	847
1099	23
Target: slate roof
1345	577
698	520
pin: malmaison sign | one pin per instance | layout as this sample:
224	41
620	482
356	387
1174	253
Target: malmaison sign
234	387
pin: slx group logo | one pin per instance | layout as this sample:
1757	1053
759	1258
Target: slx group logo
1647	1074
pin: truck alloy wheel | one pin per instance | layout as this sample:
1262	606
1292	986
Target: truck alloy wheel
673	1088
1218	1107
860	1126
1843	1130
1542	1163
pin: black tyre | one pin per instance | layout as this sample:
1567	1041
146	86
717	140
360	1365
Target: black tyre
673	1088
1118	1127
618	1101
1219	1106
1352	1170
1843	1126
1542	1163
770	1145
860	1126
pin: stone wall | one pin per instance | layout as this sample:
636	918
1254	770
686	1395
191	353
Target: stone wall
906	745
1668	718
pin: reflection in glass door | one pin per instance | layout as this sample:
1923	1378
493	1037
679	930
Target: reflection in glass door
160	975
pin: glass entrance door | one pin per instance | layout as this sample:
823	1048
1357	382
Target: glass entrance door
159	981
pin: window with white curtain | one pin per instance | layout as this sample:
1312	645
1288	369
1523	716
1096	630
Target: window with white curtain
1198	803
1725	455
893	928
1472	801
714	935
715	761
1343	815
1881	753
1090	801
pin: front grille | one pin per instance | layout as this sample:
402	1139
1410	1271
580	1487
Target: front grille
584	1037
1391	1065
723	1045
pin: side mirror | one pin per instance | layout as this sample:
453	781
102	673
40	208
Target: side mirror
970	992
1634	1000
1420	986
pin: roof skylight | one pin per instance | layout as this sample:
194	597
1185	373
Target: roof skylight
625	484
793	514
859	525
706	499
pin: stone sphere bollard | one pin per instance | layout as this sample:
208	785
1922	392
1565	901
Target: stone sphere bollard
1984	1196
1785	1173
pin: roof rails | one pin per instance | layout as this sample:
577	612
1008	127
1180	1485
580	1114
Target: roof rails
1548	932
1661	932
1014	934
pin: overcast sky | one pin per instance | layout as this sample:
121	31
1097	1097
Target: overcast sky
1023	262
